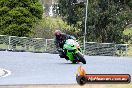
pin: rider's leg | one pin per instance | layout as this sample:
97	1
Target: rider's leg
61	53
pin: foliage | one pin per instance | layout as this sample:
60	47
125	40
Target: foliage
127	38
107	19
46	27
17	17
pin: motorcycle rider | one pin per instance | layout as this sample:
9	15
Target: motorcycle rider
60	39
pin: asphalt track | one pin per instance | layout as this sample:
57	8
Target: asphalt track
44	68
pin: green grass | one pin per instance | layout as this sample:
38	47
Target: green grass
3	46
130	50
31	48
128	31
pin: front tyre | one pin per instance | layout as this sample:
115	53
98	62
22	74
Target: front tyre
81	58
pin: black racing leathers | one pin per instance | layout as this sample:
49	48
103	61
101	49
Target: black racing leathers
59	42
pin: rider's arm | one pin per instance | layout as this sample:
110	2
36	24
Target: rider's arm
71	37
56	43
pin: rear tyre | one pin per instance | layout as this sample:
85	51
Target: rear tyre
81	58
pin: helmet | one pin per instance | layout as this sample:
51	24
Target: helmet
57	33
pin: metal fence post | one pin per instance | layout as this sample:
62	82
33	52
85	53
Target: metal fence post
86	16
9	42
126	50
45	45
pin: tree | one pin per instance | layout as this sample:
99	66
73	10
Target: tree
71	11
46	27
107	19
17	17
113	17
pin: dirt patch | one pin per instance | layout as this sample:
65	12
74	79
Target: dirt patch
73	86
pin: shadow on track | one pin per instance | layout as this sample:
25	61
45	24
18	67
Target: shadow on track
69	63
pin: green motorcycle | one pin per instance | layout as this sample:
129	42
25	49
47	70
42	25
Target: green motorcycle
73	51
